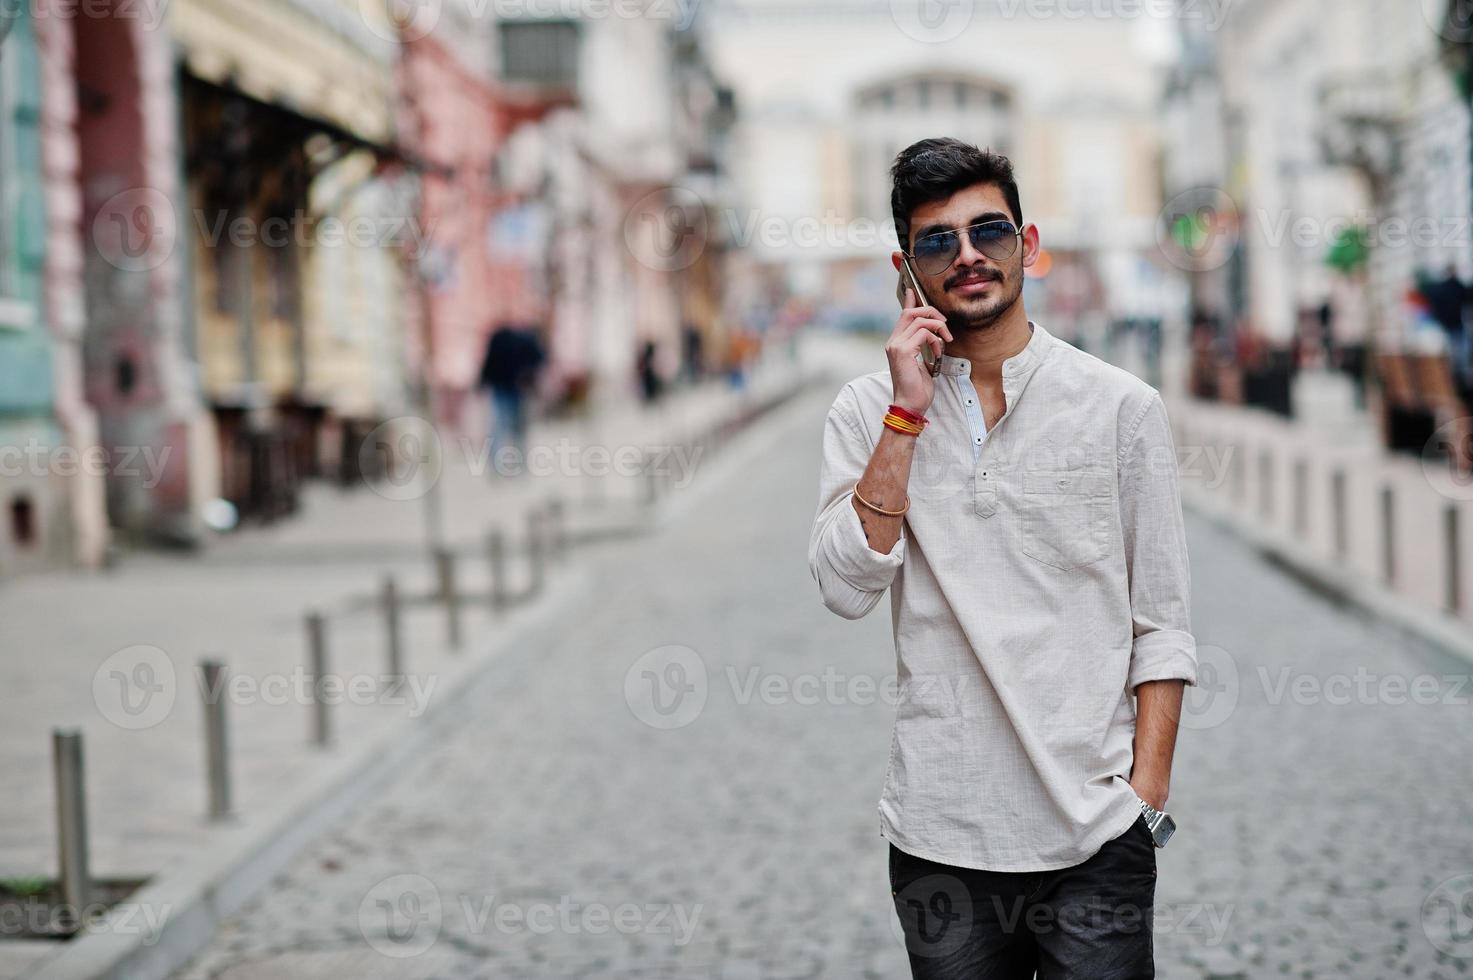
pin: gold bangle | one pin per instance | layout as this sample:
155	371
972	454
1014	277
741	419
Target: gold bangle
877	510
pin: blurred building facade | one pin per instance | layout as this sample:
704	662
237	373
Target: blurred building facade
238	237
1330	156
1072	100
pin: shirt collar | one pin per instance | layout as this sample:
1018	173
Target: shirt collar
1017	366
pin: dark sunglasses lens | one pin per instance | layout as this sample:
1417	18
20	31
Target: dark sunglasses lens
995	239
935	252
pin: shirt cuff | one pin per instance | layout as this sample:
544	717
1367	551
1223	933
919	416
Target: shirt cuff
1163	655
853	560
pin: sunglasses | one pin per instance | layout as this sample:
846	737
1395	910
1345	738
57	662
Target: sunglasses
997	240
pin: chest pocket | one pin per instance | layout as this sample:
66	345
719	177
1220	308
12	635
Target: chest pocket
1066	516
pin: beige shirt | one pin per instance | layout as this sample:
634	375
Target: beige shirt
1041	574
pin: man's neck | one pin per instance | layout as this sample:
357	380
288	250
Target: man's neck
989	347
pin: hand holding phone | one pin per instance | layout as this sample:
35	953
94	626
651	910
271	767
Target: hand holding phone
930	356
921	329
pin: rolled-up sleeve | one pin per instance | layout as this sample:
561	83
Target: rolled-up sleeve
1156	551
851	575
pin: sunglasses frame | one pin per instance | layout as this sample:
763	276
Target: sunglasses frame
957	233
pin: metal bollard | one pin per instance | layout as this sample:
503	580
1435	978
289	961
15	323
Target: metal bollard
536	552
393	628
1388	535
217	749
496	560
557	528
445	567
71	823
1301	497
1266	483
1451	536
1338	515
651	480
317	665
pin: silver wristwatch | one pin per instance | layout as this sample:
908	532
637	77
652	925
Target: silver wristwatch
1160	823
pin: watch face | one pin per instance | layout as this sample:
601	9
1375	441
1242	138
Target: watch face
1165	827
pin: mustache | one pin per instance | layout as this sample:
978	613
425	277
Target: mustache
982	276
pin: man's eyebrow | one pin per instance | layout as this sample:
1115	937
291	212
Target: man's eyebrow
976	220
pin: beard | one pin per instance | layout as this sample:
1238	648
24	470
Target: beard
981	312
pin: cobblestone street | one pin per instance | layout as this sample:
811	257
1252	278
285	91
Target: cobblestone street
580	824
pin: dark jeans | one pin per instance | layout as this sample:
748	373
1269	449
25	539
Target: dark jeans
1088	922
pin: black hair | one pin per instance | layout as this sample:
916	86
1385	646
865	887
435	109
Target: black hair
934	169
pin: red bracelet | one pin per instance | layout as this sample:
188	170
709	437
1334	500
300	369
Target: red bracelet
908	415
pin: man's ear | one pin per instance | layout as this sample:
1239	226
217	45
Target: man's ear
899	279
1031	246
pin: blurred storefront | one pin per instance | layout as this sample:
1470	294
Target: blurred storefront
300	298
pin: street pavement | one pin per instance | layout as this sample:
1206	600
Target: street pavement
680	780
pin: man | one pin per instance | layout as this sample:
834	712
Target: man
513	357
1022	508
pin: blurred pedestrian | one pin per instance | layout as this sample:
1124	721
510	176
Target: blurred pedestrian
514	357
651	385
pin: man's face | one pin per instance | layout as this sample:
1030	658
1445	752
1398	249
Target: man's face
975	290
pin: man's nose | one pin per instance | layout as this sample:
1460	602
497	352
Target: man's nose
966	255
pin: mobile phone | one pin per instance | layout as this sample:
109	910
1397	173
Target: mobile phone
933	363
